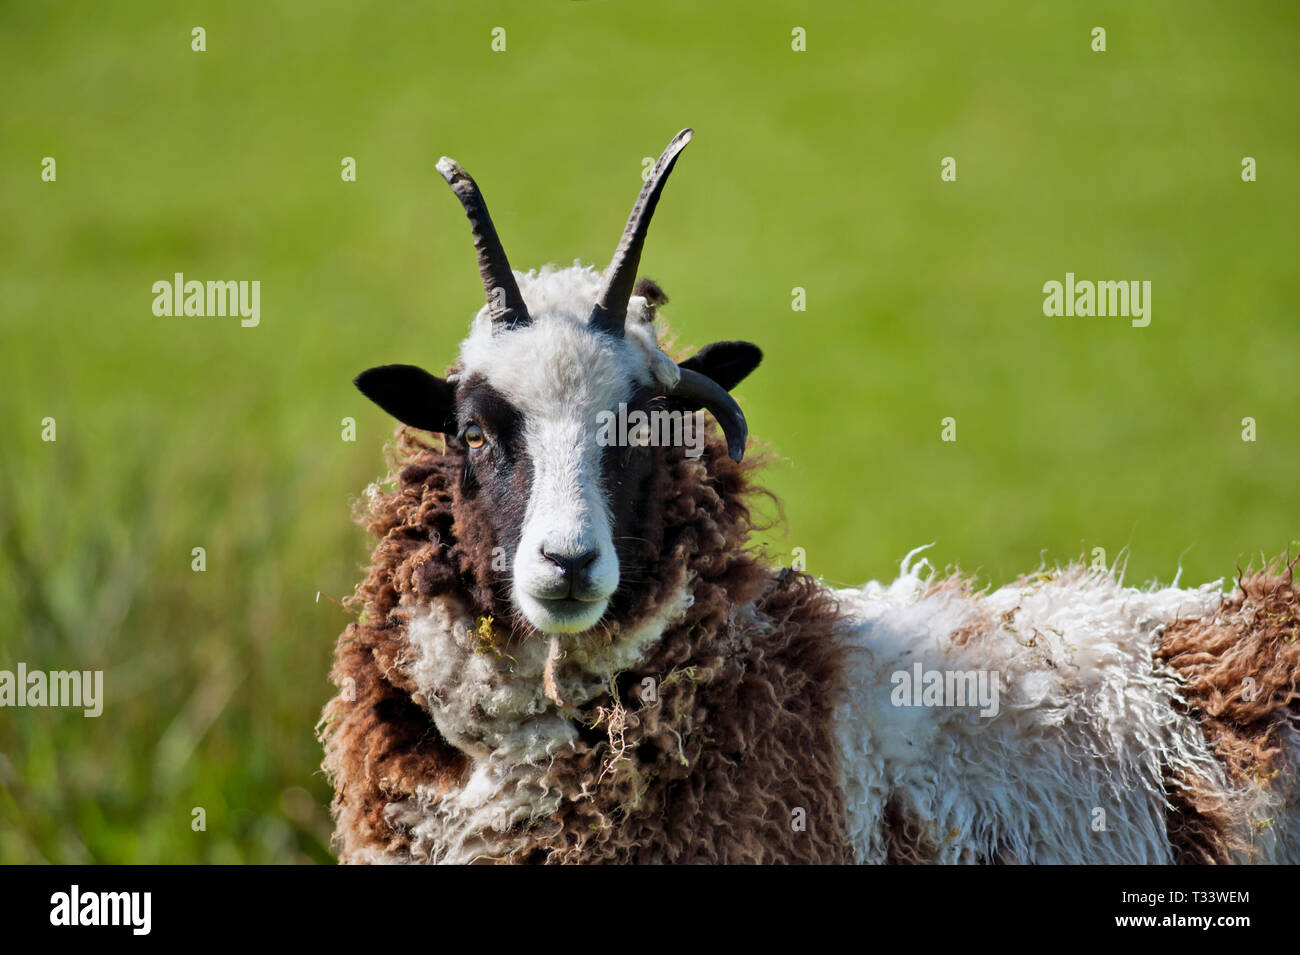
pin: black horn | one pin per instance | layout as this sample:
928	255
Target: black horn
610	311
505	302
696	390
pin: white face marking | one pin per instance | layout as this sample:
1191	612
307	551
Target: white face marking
560	375
568	517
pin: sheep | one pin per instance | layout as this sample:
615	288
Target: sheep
568	651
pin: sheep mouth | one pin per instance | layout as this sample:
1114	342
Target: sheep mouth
564	607
564	614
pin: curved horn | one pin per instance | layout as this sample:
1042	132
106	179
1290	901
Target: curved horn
702	391
505	303
611	304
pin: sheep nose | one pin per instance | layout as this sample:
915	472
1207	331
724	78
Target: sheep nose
571	565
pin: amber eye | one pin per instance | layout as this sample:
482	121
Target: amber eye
473	437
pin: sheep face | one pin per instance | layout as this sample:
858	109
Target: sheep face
529	406
551	359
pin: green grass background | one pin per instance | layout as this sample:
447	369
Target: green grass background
817	169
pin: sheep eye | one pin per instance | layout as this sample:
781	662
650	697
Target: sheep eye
474	437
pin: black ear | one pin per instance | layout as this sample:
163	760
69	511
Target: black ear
412	396
727	363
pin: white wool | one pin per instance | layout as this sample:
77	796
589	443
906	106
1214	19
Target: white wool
492	705
1069	770
559	298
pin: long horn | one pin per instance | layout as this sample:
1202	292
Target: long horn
505	303
697	391
610	311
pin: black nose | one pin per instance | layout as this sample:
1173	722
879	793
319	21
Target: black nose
571	564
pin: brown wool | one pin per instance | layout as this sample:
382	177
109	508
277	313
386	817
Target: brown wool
1240	669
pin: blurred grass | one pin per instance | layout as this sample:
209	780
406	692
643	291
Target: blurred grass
816	169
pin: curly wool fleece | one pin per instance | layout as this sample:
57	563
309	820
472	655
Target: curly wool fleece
743	714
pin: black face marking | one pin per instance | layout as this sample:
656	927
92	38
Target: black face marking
498	477
629	474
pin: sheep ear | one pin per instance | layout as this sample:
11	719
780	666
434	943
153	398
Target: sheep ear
412	396
727	363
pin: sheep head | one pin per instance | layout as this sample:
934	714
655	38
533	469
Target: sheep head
544	371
